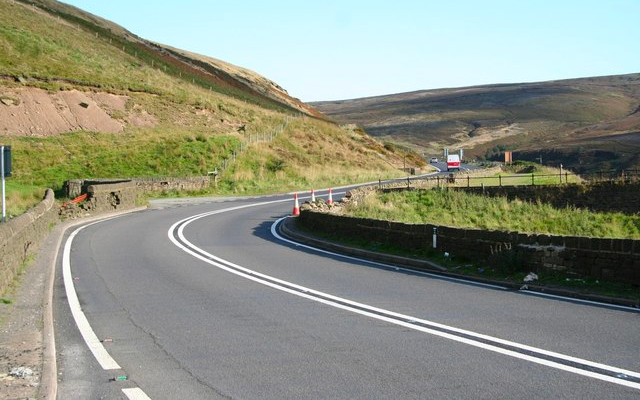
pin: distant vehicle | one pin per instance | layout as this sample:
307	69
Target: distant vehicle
453	162
433	160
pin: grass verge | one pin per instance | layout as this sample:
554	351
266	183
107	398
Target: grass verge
464	210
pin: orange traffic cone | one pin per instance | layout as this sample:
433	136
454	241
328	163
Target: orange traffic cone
330	200
296	206
313	196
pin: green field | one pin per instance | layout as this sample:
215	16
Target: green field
195	117
458	209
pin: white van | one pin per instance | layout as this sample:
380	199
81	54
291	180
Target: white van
453	162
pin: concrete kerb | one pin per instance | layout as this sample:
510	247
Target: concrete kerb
49	383
288	229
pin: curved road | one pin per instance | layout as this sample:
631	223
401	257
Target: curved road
202	301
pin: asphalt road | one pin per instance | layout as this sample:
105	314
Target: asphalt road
218	307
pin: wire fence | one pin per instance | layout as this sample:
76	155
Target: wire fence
499	179
249	139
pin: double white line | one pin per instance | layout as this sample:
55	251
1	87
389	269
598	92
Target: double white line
551	359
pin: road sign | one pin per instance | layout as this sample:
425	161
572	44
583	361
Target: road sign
6	161
5	170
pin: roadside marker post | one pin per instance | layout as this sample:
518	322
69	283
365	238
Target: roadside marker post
330	200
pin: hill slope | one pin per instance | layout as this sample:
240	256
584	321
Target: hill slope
201	70
585	123
81	97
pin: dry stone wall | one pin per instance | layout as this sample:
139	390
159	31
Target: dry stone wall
607	259
20	237
76	187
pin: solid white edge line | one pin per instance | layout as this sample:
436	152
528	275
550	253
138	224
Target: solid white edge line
575	300
256	277
474	334
417	272
99	352
448	278
135	394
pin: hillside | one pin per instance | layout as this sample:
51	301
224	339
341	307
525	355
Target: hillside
585	124
81	97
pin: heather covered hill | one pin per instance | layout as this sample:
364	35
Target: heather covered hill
82	97
586	123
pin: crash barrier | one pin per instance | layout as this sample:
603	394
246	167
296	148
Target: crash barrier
21	236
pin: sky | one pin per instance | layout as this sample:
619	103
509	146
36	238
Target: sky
344	49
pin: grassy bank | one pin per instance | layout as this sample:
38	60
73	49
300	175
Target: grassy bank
459	209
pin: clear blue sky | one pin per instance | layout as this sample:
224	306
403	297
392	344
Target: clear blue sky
341	49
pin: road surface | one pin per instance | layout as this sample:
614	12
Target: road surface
201	300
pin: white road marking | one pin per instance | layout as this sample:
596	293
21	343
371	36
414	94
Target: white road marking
592	302
373	312
395	267
91	339
135	394
89	336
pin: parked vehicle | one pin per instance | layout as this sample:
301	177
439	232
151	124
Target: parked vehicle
453	162
433	160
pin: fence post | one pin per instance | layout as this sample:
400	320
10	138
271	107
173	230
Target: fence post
560	173
499	180
533	177
438	178
468	181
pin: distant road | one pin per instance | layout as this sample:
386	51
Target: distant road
442	167
200	300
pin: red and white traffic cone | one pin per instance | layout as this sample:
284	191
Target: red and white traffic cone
296	206
330	200
313	196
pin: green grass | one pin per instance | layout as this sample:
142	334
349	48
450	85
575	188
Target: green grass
48	162
195	126
452	208
69	50
519	174
21	197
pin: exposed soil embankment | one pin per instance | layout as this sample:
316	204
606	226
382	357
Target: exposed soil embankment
37	112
